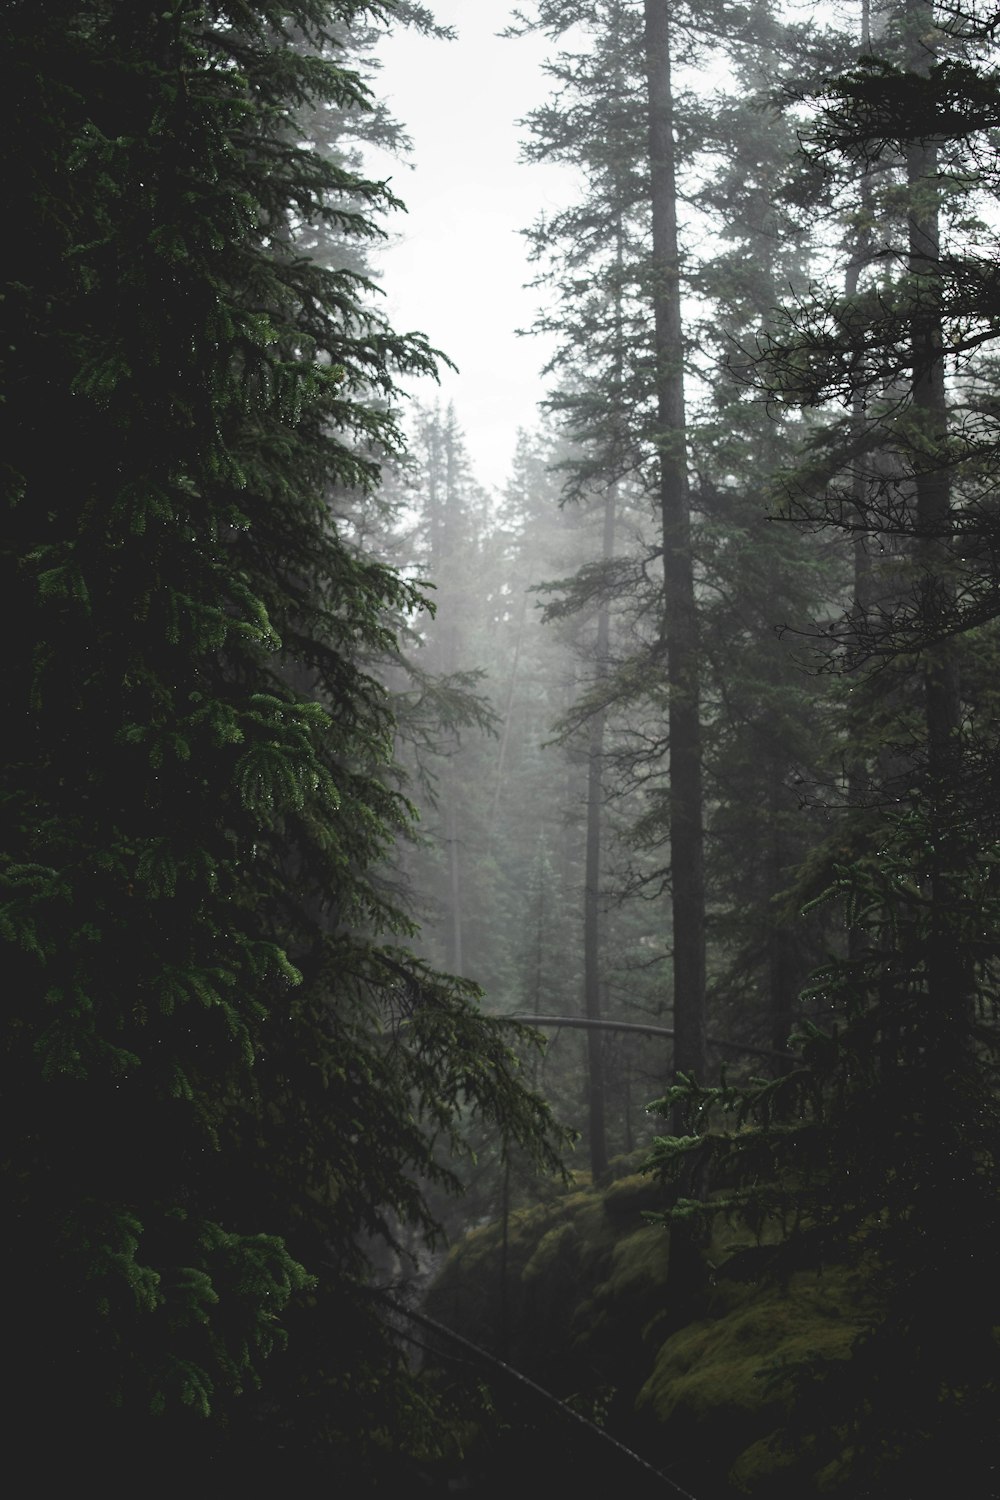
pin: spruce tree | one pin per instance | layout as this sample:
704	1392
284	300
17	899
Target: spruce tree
224	1079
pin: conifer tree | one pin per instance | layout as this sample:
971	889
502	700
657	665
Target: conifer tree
880	1147
773	739
620	394
224	1079
599	255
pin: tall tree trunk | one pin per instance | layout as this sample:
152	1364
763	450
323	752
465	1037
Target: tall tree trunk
597	1129
444	499
858	777
455	956
932	484
933	518
781	965
680	635
930	407
505	732
951	1107
686	1274
861	254
592	926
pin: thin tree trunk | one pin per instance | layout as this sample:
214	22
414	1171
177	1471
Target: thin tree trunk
782	987
504	1349
933	517
505	732
950	1109
455	959
933	498
858	779
686	1274
860	257
597	1128
679	616
445	472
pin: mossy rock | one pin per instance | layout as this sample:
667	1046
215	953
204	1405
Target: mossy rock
610	1325
578	1299
625	1200
555	1251
584	1275
771	1467
716	1388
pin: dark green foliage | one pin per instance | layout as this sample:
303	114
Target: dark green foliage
219	1073
879	1150
575	1291
713	1406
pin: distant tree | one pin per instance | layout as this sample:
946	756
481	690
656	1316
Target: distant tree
487	775
445	520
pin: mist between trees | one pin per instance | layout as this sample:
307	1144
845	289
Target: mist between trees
331	779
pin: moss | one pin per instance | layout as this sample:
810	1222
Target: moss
555	1248
581	1309
640	1261
716	1387
766	1461
627	1199
584	1275
610	1325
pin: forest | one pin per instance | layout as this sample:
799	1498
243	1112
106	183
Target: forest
502	984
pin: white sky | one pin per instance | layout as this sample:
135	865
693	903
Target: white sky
457	266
